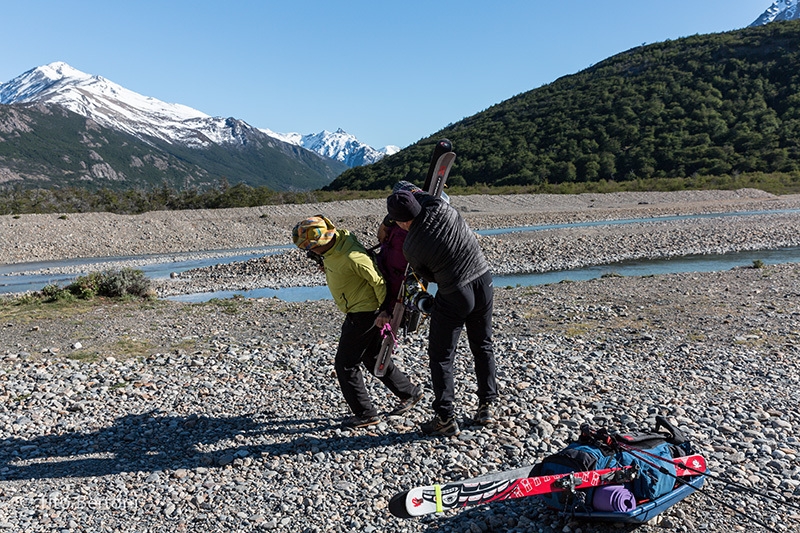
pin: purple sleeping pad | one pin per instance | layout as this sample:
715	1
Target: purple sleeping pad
613	498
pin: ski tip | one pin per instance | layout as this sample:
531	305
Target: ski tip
444	145
696	464
397	505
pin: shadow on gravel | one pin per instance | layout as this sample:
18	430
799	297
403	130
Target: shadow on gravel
315	435
150	442
135	443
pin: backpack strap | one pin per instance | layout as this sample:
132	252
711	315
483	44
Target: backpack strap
676	435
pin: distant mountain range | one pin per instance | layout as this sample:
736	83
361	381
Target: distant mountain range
780	10
195	149
338	145
60	127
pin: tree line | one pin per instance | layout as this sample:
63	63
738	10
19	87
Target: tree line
18	200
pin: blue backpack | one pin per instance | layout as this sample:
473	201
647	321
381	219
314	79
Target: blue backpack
655	478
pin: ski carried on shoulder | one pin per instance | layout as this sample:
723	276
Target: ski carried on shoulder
441	161
431	499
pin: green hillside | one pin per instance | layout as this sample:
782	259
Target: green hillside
721	104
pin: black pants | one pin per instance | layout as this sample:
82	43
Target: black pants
359	343
470	306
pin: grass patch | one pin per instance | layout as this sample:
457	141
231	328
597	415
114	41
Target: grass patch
26	309
128	347
125	347
77	319
84	356
696	337
185	344
577	330
230	306
31	307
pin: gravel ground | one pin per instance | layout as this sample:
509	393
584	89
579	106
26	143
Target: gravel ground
224	416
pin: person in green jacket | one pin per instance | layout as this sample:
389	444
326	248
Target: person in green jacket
358	289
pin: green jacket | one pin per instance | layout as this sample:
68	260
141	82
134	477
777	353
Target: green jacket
353	279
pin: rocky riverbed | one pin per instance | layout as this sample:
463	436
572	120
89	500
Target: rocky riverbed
224	416
217	233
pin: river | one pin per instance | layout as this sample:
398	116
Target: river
24	277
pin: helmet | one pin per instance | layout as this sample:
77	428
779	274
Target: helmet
313	231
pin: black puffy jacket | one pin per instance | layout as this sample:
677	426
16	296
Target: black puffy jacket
442	248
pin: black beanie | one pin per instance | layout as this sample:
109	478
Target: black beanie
402	206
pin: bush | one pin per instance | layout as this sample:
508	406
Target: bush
53	293
112	284
28	298
127	281
85	287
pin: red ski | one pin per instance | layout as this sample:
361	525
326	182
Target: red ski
438	498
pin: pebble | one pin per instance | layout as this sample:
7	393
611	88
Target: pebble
230	419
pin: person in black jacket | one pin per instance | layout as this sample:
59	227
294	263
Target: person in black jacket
442	249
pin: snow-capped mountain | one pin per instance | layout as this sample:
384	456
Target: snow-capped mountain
127	140
779	10
338	145
116	107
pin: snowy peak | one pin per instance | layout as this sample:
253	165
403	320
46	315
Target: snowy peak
779	10
116	107
38	81
341	146
61	84
109	104
338	145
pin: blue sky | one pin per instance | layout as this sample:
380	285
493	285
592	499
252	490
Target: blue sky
386	72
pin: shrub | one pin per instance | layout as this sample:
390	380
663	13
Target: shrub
29	298
53	293
112	284
127	281
85	287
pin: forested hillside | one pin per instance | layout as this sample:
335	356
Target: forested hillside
710	105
